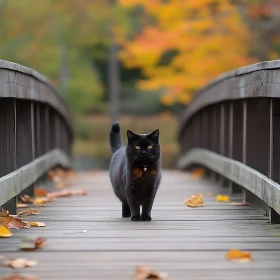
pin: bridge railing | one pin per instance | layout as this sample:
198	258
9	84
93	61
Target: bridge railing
232	128
35	131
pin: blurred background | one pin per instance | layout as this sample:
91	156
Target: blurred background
137	61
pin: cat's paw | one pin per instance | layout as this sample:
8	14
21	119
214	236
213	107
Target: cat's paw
126	215
136	218
146	218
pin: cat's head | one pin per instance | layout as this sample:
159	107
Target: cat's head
143	148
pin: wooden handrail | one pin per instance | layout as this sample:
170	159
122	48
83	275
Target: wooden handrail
237	116
35	130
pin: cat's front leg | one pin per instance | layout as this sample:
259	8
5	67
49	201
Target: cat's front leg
147	204
133	195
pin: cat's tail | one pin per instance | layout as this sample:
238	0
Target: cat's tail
115	137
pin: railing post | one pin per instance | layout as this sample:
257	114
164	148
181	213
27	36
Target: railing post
11	205
274	217
244	141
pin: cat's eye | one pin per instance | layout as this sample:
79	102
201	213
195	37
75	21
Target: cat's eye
137	147
150	147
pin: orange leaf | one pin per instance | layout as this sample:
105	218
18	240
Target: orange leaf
40	192
4	232
236	254
198	173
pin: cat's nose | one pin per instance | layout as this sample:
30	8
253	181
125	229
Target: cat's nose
143	152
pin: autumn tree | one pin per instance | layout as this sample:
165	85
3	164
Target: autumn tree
185	44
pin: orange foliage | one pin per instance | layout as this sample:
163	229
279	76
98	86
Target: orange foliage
208	38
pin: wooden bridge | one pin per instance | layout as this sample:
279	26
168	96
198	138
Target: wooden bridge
231	129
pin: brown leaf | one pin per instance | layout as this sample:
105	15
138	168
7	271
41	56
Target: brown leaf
20	263
239	204
4	232
144	272
17	276
236	254
37	224
40	192
26	198
28	212
4	213
194	201
31	243
12	222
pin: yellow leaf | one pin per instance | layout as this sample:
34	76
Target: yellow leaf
222	198
37	224
4	232
41	200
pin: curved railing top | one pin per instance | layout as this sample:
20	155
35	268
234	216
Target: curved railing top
256	80
17	81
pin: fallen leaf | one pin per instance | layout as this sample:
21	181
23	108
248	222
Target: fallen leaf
26	198
37	224
41	200
63	193
194	201
4	213
20	263
22	205
144	272
17	276
222	198
12	222
78	192
236	254
40	192
31	243
239	204
28	212
4	232
198	173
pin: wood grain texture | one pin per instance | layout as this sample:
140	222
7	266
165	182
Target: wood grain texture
15	182
252	81
20	82
245	176
184	242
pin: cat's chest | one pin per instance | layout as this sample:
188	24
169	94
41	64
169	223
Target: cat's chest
144	174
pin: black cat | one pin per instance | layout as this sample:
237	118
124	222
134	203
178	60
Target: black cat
135	171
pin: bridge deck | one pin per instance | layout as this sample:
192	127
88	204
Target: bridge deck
186	243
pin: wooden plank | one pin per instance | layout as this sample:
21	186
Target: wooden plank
184	242
243	175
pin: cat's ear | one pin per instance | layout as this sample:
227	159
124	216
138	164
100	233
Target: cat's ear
154	135
130	135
